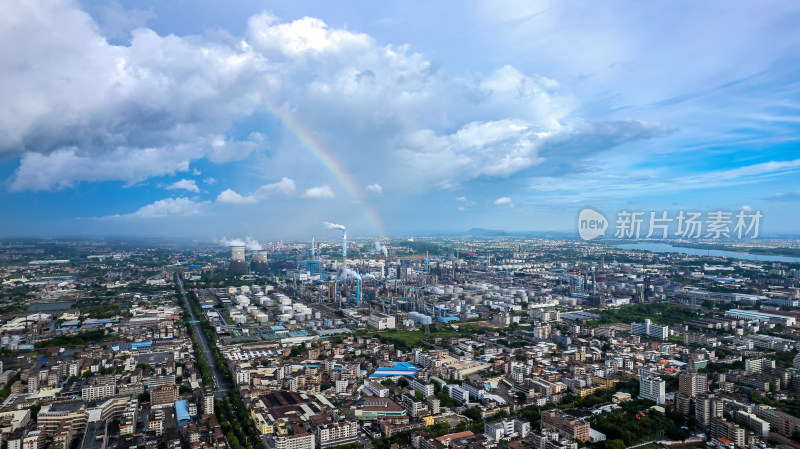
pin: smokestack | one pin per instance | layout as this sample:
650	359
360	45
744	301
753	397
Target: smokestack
344	247
358	292
313	249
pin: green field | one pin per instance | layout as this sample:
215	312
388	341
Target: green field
659	313
407	340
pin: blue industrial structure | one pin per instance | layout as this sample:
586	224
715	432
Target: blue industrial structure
314	267
182	413
399	369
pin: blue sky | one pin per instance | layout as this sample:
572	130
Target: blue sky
194	118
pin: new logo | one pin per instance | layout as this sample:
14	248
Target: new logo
591	224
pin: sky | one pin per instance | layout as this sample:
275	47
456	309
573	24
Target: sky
210	119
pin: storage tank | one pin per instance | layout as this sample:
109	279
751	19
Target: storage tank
317	315
300	316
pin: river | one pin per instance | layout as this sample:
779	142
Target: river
667	248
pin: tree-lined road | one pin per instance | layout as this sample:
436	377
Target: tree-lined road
220	386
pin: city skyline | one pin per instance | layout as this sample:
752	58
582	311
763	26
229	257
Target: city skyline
266	119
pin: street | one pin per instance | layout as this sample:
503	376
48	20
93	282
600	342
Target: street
220	387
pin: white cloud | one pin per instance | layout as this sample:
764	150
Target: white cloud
284	187
184	184
210	181
504	201
375	188
78	108
321	192
231	197
304	37
227	150
499	149
164	208
64	167
462	199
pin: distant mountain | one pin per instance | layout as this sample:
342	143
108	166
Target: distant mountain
486	232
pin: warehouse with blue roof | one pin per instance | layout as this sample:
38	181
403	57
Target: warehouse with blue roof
182	412
399	369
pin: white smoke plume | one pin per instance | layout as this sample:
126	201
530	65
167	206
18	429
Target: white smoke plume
249	243
253	245
349	273
381	248
329	225
368	276
232	242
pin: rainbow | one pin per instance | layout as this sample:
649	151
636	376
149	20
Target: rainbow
328	160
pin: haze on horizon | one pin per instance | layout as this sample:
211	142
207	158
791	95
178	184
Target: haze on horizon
207	119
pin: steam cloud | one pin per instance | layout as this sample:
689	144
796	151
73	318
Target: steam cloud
249	243
329	225
349	273
232	242
253	245
381	248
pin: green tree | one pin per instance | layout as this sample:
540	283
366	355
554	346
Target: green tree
615	444
473	413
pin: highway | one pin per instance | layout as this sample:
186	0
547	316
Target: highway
220	387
